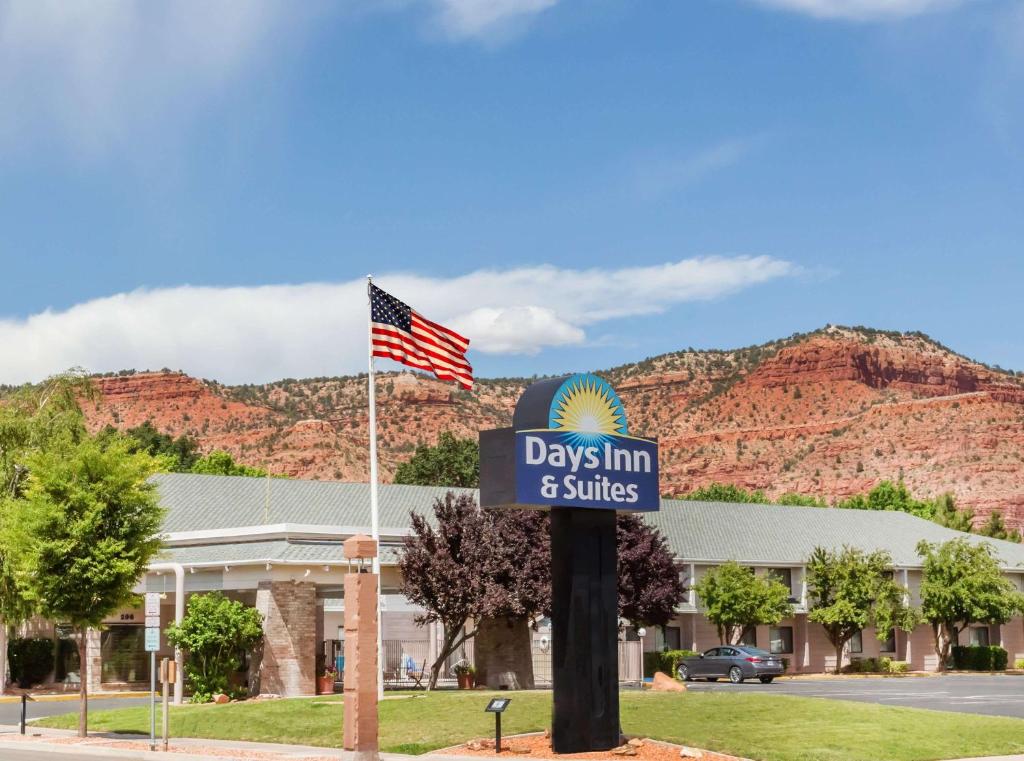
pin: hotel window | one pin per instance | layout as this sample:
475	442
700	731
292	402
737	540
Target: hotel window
749	637
979	636
780	639
673	638
888	645
785	577
857	643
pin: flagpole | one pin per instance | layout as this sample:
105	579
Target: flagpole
374	507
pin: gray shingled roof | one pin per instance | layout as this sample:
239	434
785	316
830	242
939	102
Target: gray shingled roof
696	531
207	503
780	534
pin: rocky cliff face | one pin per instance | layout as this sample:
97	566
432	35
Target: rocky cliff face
830	414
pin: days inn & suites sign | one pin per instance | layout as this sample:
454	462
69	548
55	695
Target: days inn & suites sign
569	446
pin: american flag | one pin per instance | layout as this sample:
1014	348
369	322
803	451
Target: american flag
399	333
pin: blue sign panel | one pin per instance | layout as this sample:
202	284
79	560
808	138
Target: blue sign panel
585	458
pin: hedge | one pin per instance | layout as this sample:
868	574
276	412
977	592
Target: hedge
883	665
30	659
667	661
980	658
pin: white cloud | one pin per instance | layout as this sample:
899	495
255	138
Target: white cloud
253	334
130	76
862	10
662	174
121	73
487	18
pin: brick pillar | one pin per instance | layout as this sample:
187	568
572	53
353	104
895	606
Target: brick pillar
289	637
93	660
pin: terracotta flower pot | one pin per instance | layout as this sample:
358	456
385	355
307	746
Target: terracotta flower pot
325	685
465	681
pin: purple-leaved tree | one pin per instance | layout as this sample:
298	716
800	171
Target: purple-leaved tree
488	574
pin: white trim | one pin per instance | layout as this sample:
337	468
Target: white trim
208	564
274	531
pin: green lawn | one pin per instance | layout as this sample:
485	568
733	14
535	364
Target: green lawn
763	727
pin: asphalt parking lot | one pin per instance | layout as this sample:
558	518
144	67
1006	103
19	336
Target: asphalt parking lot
996	695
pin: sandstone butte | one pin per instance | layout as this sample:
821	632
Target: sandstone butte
829	413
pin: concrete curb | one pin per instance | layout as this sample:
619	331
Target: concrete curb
61	698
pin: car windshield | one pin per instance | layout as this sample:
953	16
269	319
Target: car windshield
756	651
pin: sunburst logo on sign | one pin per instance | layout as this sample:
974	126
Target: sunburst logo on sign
588	410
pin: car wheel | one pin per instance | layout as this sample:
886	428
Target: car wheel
684	673
736	675
766	679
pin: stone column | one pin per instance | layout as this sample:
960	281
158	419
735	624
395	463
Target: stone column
361	668
92	669
289	637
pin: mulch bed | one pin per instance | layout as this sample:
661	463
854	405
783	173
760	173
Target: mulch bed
539	746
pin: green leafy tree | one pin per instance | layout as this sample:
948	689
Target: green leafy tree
83	533
963	584
890	496
800	500
33	419
734	597
215	633
726	493
179	454
452	462
949	515
849	590
996	528
220	463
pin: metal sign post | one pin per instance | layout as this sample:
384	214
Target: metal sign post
24	711
168	674
497	706
152	645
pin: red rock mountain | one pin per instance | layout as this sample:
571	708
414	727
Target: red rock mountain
830	413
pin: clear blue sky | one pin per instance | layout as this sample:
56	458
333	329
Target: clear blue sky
872	151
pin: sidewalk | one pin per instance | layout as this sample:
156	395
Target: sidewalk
64	744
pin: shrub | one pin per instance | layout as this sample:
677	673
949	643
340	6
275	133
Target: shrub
215	632
980	658
31	659
899	667
885	664
1019	664
666	661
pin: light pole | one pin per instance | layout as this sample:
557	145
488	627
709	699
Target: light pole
641	633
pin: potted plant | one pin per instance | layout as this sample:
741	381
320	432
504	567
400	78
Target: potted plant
325	682
464	673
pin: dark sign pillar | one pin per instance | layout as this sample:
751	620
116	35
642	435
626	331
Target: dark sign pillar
584	630
569	451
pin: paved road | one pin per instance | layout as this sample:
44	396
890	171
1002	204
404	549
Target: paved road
10	713
1001	695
